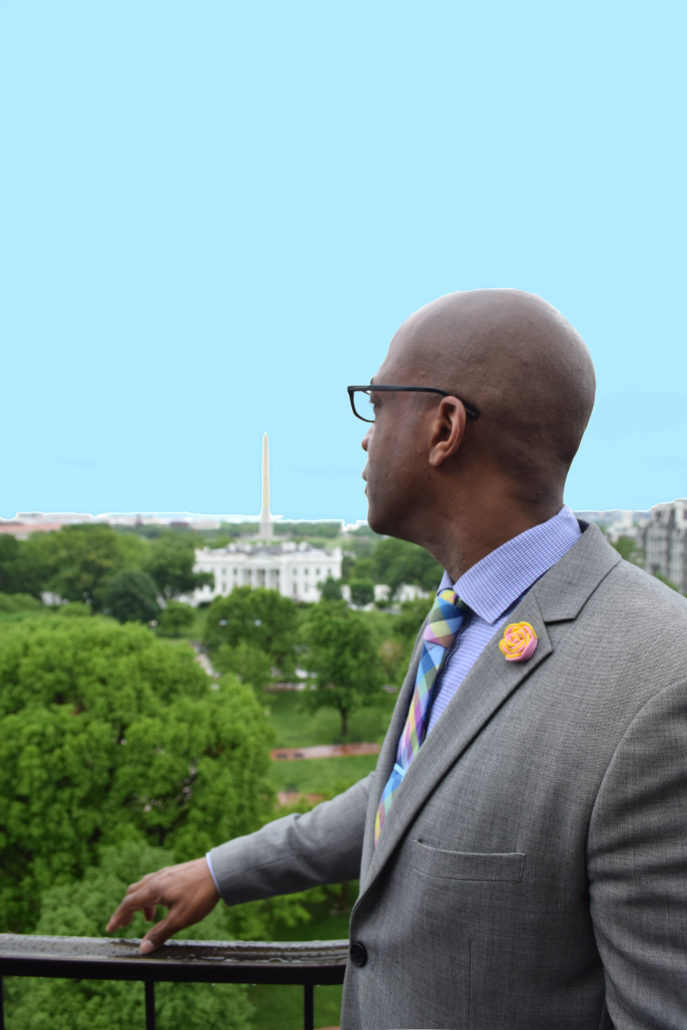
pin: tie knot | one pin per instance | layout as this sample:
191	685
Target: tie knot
445	618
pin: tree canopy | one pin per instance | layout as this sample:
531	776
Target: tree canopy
330	589
396	562
108	734
362	592
79	560
342	658
261	618
629	549
170	561
24	565
131	596
391	561
175	619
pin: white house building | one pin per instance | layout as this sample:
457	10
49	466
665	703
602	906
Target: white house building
296	570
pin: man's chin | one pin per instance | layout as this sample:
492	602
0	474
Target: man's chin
374	520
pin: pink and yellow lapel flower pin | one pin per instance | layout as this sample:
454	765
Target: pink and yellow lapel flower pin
519	642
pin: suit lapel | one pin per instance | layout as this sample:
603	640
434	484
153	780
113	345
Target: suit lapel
558	596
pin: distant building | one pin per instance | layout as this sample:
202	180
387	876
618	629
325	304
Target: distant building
23	530
296	570
665	542
616	522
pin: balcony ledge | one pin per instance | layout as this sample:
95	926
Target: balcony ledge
98	958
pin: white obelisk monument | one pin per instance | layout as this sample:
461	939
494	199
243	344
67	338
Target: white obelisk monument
265	532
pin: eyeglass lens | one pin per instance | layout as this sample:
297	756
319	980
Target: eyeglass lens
363	405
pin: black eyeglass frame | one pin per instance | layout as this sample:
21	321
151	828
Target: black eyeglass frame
470	410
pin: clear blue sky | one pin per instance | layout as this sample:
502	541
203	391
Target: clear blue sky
213	216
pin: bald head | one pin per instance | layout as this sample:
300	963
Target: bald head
522	364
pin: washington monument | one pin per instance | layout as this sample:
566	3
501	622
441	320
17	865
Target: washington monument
265	532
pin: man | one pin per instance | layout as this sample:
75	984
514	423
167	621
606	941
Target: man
526	865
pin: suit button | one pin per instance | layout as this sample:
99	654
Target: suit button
358	953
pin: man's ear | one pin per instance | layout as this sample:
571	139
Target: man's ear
447	431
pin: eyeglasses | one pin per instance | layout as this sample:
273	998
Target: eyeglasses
363	408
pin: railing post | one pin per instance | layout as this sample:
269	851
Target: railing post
308	1007
150	1005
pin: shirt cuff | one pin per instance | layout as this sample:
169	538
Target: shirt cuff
212	872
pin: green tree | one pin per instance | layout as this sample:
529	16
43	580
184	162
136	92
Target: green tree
108	734
131	596
175	619
342	659
170	562
363	568
10	574
629	549
74	610
301	530
396	562
361	541
79	560
24	565
407	624
133	548
347	565
330	589
249	663
10	603
262	618
362	592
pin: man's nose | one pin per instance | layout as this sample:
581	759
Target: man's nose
365	443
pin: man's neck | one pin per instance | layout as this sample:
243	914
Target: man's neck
465	542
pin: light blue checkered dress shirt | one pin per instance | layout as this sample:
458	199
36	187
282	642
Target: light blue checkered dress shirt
493	587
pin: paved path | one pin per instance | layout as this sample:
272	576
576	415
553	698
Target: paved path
292	797
325	751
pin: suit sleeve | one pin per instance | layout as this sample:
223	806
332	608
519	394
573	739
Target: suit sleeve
296	852
637	862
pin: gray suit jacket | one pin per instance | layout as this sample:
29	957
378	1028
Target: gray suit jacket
532	872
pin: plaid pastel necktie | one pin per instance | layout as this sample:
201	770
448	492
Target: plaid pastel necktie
445	620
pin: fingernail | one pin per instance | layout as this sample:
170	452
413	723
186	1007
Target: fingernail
147	947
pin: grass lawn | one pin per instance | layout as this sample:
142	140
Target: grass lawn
296	726
281	1008
326	776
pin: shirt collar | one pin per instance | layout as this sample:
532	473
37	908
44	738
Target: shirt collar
493	585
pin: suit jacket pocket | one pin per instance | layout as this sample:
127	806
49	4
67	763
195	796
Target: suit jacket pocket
506	867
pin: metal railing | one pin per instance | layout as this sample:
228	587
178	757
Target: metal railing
97	958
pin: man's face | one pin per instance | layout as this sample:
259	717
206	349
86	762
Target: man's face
393	446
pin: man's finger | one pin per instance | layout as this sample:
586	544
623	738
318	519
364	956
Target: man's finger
120	918
157	935
137	897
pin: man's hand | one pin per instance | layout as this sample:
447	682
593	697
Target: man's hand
187	890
